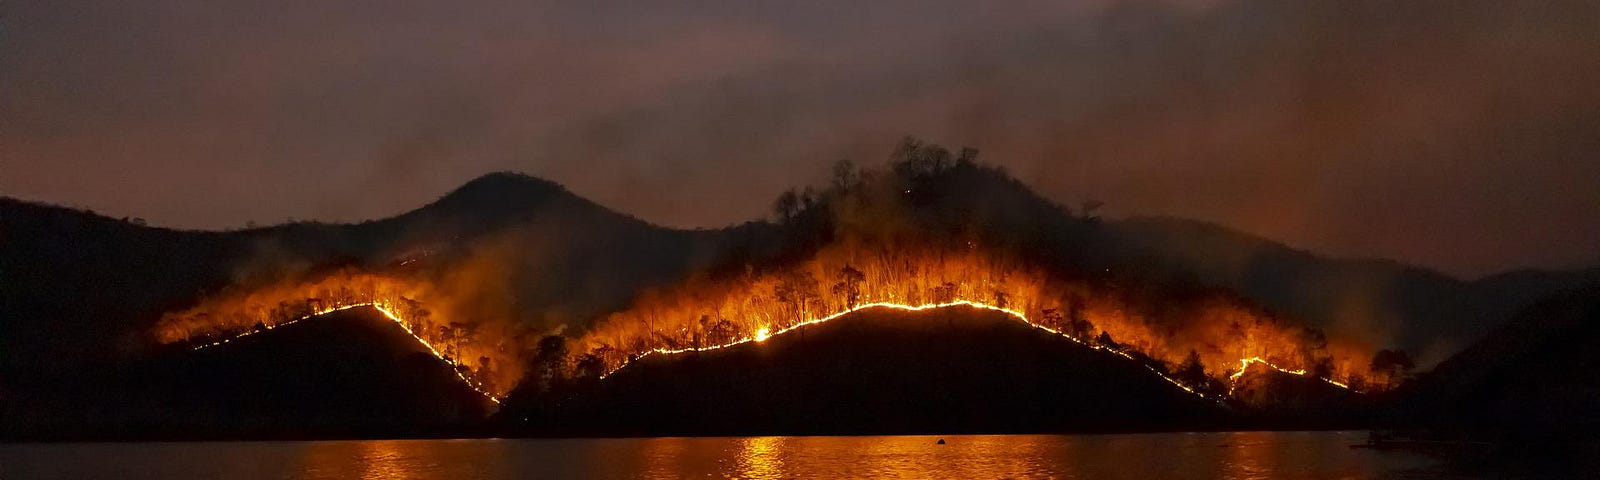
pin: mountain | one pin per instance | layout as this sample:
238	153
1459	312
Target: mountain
1531	381
77	288
1423	311
348	374
881	371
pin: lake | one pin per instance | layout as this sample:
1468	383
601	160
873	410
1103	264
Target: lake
1234	455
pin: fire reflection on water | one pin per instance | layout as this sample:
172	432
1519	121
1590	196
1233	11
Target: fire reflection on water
1242	455
762	457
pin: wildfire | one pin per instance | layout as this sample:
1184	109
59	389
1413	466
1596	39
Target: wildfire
764	333
1244	365
489	352
455	367
1159	332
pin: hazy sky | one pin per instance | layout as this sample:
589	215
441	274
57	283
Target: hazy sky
1461	135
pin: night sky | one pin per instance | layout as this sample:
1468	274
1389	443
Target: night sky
1459	135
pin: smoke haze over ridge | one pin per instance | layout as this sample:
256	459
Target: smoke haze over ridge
1457	135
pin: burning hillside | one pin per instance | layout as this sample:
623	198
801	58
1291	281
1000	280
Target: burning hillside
1224	334
938	229
483	353
931	230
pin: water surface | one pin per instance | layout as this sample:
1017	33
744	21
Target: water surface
1230	455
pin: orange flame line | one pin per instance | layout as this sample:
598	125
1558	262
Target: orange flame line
1244	364
386	313
763	334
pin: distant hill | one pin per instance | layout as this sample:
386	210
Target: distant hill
1423	311
346	374
1533	380
880	371
77	288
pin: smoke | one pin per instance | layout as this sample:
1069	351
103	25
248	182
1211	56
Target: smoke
1422	130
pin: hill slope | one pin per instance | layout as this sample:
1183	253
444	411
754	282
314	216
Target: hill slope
79	289
352	373
878	371
1536	378
1423	311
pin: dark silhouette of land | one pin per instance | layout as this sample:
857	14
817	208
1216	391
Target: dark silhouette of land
885	371
1533	382
347	374
80	293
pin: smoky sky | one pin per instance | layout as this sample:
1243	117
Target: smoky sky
1459	135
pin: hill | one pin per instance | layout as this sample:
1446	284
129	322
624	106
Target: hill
78	289
1532	381
352	373
525	259
878	371
1420	310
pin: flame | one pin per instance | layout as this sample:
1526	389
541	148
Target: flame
763	334
390	312
1156	331
488	350
1245	363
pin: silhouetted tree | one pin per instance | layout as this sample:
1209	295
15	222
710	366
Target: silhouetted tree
484	374
722	332
1191	372
849	285
1105	340
968	157
845	175
787	206
1051	317
913	159
1077	325
590	366
552	352
798	289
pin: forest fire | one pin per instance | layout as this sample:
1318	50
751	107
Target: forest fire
875	239
1162	334
1191	343
1244	364
392	316
227	318
1188	343
764	333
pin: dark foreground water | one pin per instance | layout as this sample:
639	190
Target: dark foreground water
1241	455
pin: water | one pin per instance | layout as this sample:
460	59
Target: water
1237	455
